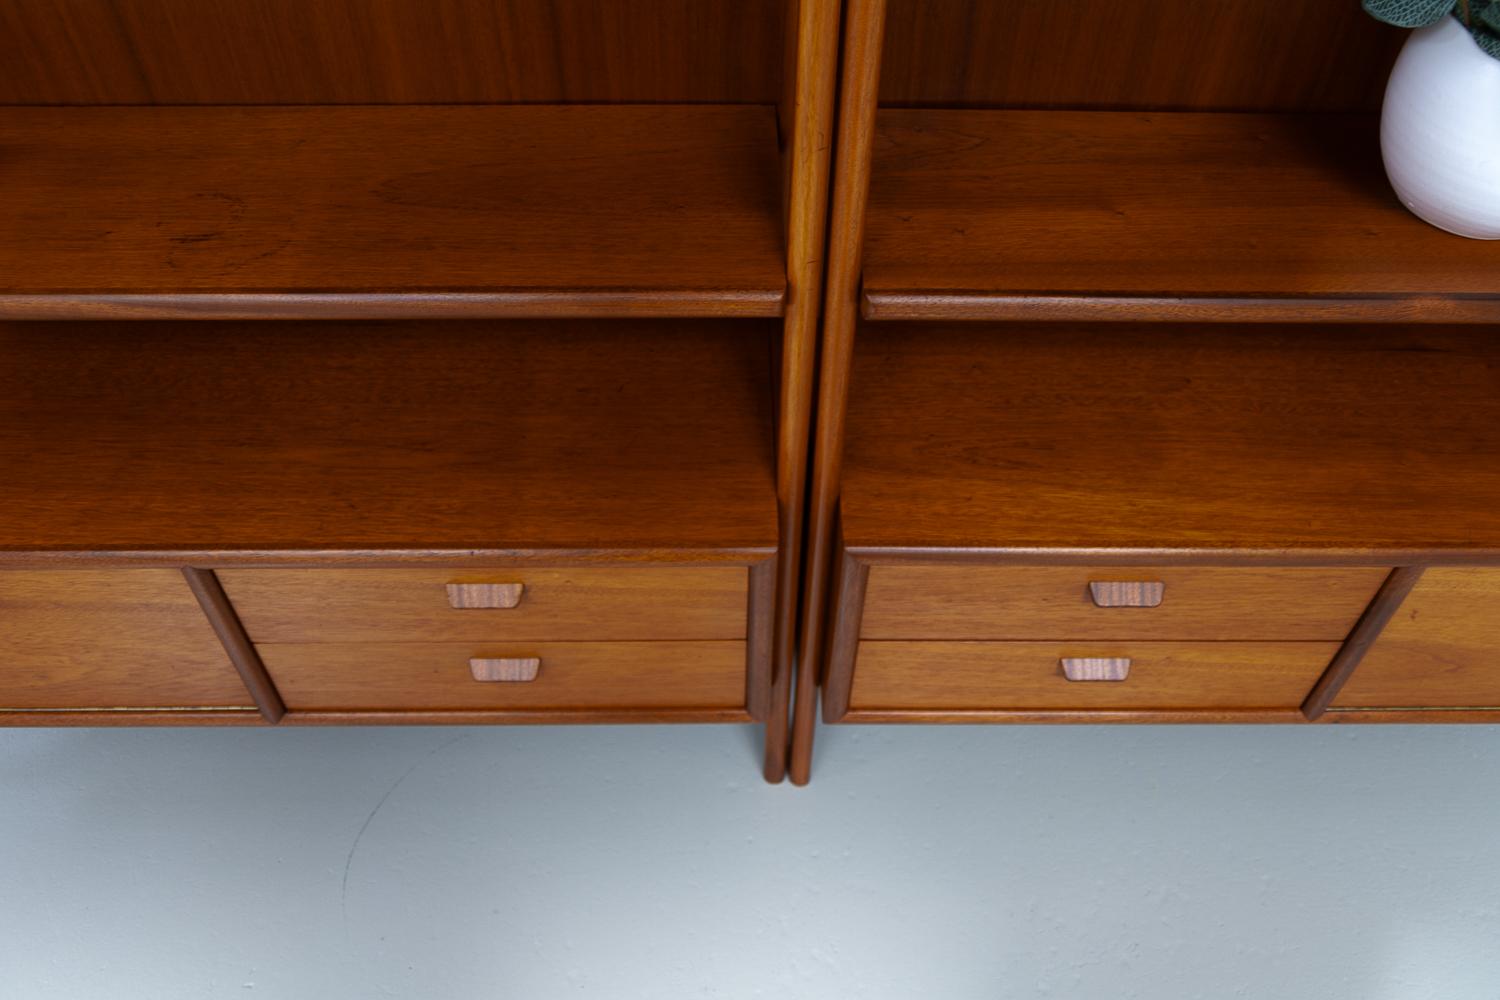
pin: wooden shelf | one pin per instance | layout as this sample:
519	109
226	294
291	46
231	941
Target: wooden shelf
390	212
1374	443
276	441
1016	215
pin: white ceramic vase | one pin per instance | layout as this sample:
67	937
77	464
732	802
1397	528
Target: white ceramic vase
1440	130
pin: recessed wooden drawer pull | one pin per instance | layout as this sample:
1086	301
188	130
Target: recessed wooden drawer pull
1096	668
514	669
1125	594
467	596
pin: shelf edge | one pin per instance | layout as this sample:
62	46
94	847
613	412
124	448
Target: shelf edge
898	304
577	303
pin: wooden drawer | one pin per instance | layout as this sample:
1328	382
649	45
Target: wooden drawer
413	605
936	676
82	639
1441	650
1056	602
569	676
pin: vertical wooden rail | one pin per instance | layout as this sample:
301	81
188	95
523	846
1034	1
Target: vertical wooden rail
864	31
807	129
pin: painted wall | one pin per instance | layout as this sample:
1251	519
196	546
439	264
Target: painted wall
1080	863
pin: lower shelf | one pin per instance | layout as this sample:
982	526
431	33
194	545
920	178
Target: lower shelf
207	443
363	510
1133	523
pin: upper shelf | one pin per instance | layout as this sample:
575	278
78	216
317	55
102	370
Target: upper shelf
1139	439
1009	215
622	439
390	212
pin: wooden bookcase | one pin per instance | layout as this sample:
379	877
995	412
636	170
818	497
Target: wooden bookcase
545	279
1121	311
455	361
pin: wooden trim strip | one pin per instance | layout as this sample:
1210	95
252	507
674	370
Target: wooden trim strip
1382	608
1076	716
541	717
995	307
1022	556
760	621
864	34
226	624
518	303
378	558
1412	716
808	110
843	642
125	717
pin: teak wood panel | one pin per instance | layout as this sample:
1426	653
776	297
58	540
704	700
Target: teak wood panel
572	676
649	440
109	639
389	51
1113	215
390	212
1250	54
411	605
1269	55
1054	602
1315	441
960	676
1440	650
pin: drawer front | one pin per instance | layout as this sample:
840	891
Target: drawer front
1057	602
414	605
565	676
82	639
936	676
1441	650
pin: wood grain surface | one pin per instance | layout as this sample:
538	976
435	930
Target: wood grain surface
484	596
1132	593
864	22
1387	601
572	676
1017	214
1205	603
388	51
1266	55
84	639
1440	650
807	124
648	438
505	670
1355	440
390	212
1112	669
221	616
932	676
411	605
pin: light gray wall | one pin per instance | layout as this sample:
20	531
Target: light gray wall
958	863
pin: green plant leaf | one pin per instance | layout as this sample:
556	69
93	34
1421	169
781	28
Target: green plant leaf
1489	41
1410	13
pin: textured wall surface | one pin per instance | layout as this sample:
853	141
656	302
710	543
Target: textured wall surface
1358	863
